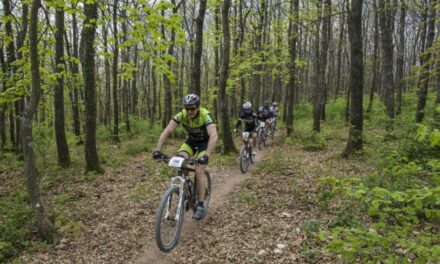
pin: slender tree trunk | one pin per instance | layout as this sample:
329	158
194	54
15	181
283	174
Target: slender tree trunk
42	222
437	98
386	19
325	40
115	73
75	94
400	58
134	88
216	60
107	104
356	78
228	142
318	91
168	102
3	106
423	82
88	65
125	61
293	31
60	133
375	62
198	48
10	59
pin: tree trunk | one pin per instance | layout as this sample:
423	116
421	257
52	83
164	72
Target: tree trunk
318	91
400	58
216	60
74	93
386	19
228	143
437	98
293	35
88	65
3	106
134	88
425	64
115	73
60	133
356	78
10	59
107	100
42	222
325	40
375	62
125	61
168	102
198	48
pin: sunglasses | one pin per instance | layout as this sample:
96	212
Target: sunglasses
190	108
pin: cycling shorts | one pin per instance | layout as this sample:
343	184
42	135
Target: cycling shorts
190	148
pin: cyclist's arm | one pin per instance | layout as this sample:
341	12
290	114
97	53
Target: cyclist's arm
212	132
172	125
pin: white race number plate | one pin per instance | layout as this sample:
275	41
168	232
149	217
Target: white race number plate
176	162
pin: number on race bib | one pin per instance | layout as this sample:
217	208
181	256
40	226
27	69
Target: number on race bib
262	124
176	162
245	134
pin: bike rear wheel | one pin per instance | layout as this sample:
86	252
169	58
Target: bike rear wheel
207	193
169	219
244	159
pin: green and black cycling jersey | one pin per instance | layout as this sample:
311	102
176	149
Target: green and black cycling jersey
196	127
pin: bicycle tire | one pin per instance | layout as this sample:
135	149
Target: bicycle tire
207	193
251	157
272	131
260	139
244	159
173	192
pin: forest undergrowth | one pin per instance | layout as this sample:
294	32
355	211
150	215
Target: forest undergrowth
303	203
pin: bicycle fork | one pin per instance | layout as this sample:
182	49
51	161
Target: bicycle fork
179	182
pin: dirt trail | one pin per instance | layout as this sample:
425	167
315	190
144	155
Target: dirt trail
224	182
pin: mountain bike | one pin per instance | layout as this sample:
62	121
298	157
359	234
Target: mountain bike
181	196
261	138
246	152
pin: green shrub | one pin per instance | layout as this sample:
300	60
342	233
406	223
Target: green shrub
15	223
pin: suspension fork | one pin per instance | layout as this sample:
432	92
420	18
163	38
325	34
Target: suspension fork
178	181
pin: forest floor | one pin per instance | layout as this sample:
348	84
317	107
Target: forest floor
264	216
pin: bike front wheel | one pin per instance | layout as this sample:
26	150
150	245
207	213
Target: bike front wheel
260	139
244	159
169	219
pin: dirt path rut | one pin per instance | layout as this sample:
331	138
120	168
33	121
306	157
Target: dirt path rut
224	182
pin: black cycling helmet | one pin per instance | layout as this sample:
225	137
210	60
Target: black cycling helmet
191	99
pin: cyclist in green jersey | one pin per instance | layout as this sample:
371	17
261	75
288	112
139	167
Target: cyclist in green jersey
202	136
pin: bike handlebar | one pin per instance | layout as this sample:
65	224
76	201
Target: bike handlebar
190	161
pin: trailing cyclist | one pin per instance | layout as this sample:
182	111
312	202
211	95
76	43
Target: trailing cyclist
202	137
274	109
248	116
265	114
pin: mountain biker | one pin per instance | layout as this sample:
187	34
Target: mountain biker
275	110
249	118
265	114
202	134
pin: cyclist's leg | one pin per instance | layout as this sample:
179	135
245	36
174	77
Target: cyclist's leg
185	151
201	180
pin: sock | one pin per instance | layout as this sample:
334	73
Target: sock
200	204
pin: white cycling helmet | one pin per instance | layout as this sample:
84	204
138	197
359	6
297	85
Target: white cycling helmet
247	105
